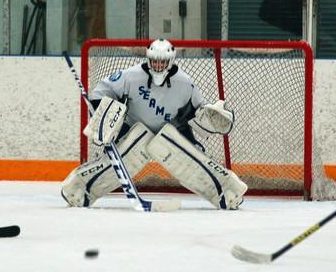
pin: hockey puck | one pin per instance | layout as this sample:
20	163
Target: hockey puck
91	253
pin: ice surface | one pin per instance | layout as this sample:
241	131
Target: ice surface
196	238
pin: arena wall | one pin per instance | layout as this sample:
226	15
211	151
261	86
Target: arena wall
39	130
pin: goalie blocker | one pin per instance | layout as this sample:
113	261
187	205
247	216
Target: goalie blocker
186	163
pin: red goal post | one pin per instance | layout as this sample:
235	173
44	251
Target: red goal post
269	85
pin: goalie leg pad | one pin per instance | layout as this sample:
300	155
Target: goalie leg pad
195	170
88	182
94	179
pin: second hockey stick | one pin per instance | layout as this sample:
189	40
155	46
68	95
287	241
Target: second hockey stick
126	181
254	257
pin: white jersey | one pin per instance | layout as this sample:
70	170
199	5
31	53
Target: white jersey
153	106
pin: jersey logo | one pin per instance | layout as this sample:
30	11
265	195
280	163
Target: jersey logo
115	76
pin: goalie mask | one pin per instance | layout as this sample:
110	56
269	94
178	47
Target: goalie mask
161	55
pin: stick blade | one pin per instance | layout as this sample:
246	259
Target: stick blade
166	205
9	231
250	256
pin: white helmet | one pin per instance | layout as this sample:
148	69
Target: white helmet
161	55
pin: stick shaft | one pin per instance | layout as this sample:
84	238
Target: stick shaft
79	83
303	236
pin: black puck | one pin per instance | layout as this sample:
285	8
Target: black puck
91	253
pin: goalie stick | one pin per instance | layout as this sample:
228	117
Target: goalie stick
254	257
9	231
124	178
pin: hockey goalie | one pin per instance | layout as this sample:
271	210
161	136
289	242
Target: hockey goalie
150	111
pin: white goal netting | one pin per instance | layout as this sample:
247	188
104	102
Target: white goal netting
269	85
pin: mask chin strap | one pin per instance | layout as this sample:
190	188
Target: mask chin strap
172	71
145	67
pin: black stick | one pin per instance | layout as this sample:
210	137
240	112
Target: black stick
9	231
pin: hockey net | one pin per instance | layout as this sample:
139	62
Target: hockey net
269	85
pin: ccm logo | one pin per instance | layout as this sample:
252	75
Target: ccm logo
219	169
93	170
124	182
115	118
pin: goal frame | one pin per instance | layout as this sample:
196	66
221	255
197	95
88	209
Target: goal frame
217	45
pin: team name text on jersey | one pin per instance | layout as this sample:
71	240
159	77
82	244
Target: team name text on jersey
152	103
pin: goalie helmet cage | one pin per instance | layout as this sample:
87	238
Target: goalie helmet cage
269	85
